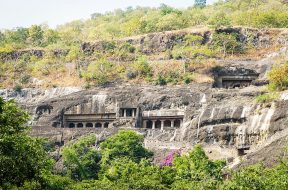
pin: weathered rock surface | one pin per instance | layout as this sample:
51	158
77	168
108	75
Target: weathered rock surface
228	122
225	121
162	41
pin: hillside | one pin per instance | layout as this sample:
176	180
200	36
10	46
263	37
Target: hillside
172	57
43	57
148	99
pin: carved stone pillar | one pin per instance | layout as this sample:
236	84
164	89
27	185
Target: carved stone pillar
144	124
162	125
172	123
153	124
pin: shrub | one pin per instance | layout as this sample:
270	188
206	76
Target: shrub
131	74
188	78
73	54
192	52
161	80
268	97
278	77
142	67
100	72
227	42
7	48
17	88
25	79
108	45
193	40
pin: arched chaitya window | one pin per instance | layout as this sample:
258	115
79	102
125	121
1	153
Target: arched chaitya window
98	125
71	125
80	125
89	125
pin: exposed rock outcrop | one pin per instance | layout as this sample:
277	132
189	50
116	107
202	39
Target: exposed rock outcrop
162	41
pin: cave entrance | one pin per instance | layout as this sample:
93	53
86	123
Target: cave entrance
80	125
234	83
233	77
89	125
71	125
242	150
106	125
158	124
149	124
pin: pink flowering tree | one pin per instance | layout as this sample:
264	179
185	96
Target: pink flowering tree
168	161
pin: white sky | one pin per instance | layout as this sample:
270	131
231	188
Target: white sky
16	13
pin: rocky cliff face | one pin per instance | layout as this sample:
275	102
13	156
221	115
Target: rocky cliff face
226	120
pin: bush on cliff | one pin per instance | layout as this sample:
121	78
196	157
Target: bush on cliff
278	77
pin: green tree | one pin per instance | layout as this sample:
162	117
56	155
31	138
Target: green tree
219	19
17	37
124	144
99	72
82	159
50	37
142	67
197	170
22	158
228	43
165	9
133	175
36	35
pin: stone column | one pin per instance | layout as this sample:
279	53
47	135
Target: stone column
125	114
94	125
75	125
153	124
162	125
84	125
181	122
133	113
144	124
172	123
102	124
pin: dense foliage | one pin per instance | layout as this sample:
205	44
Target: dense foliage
21	156
81	160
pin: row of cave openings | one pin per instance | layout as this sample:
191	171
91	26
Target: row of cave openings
88	125
160	124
